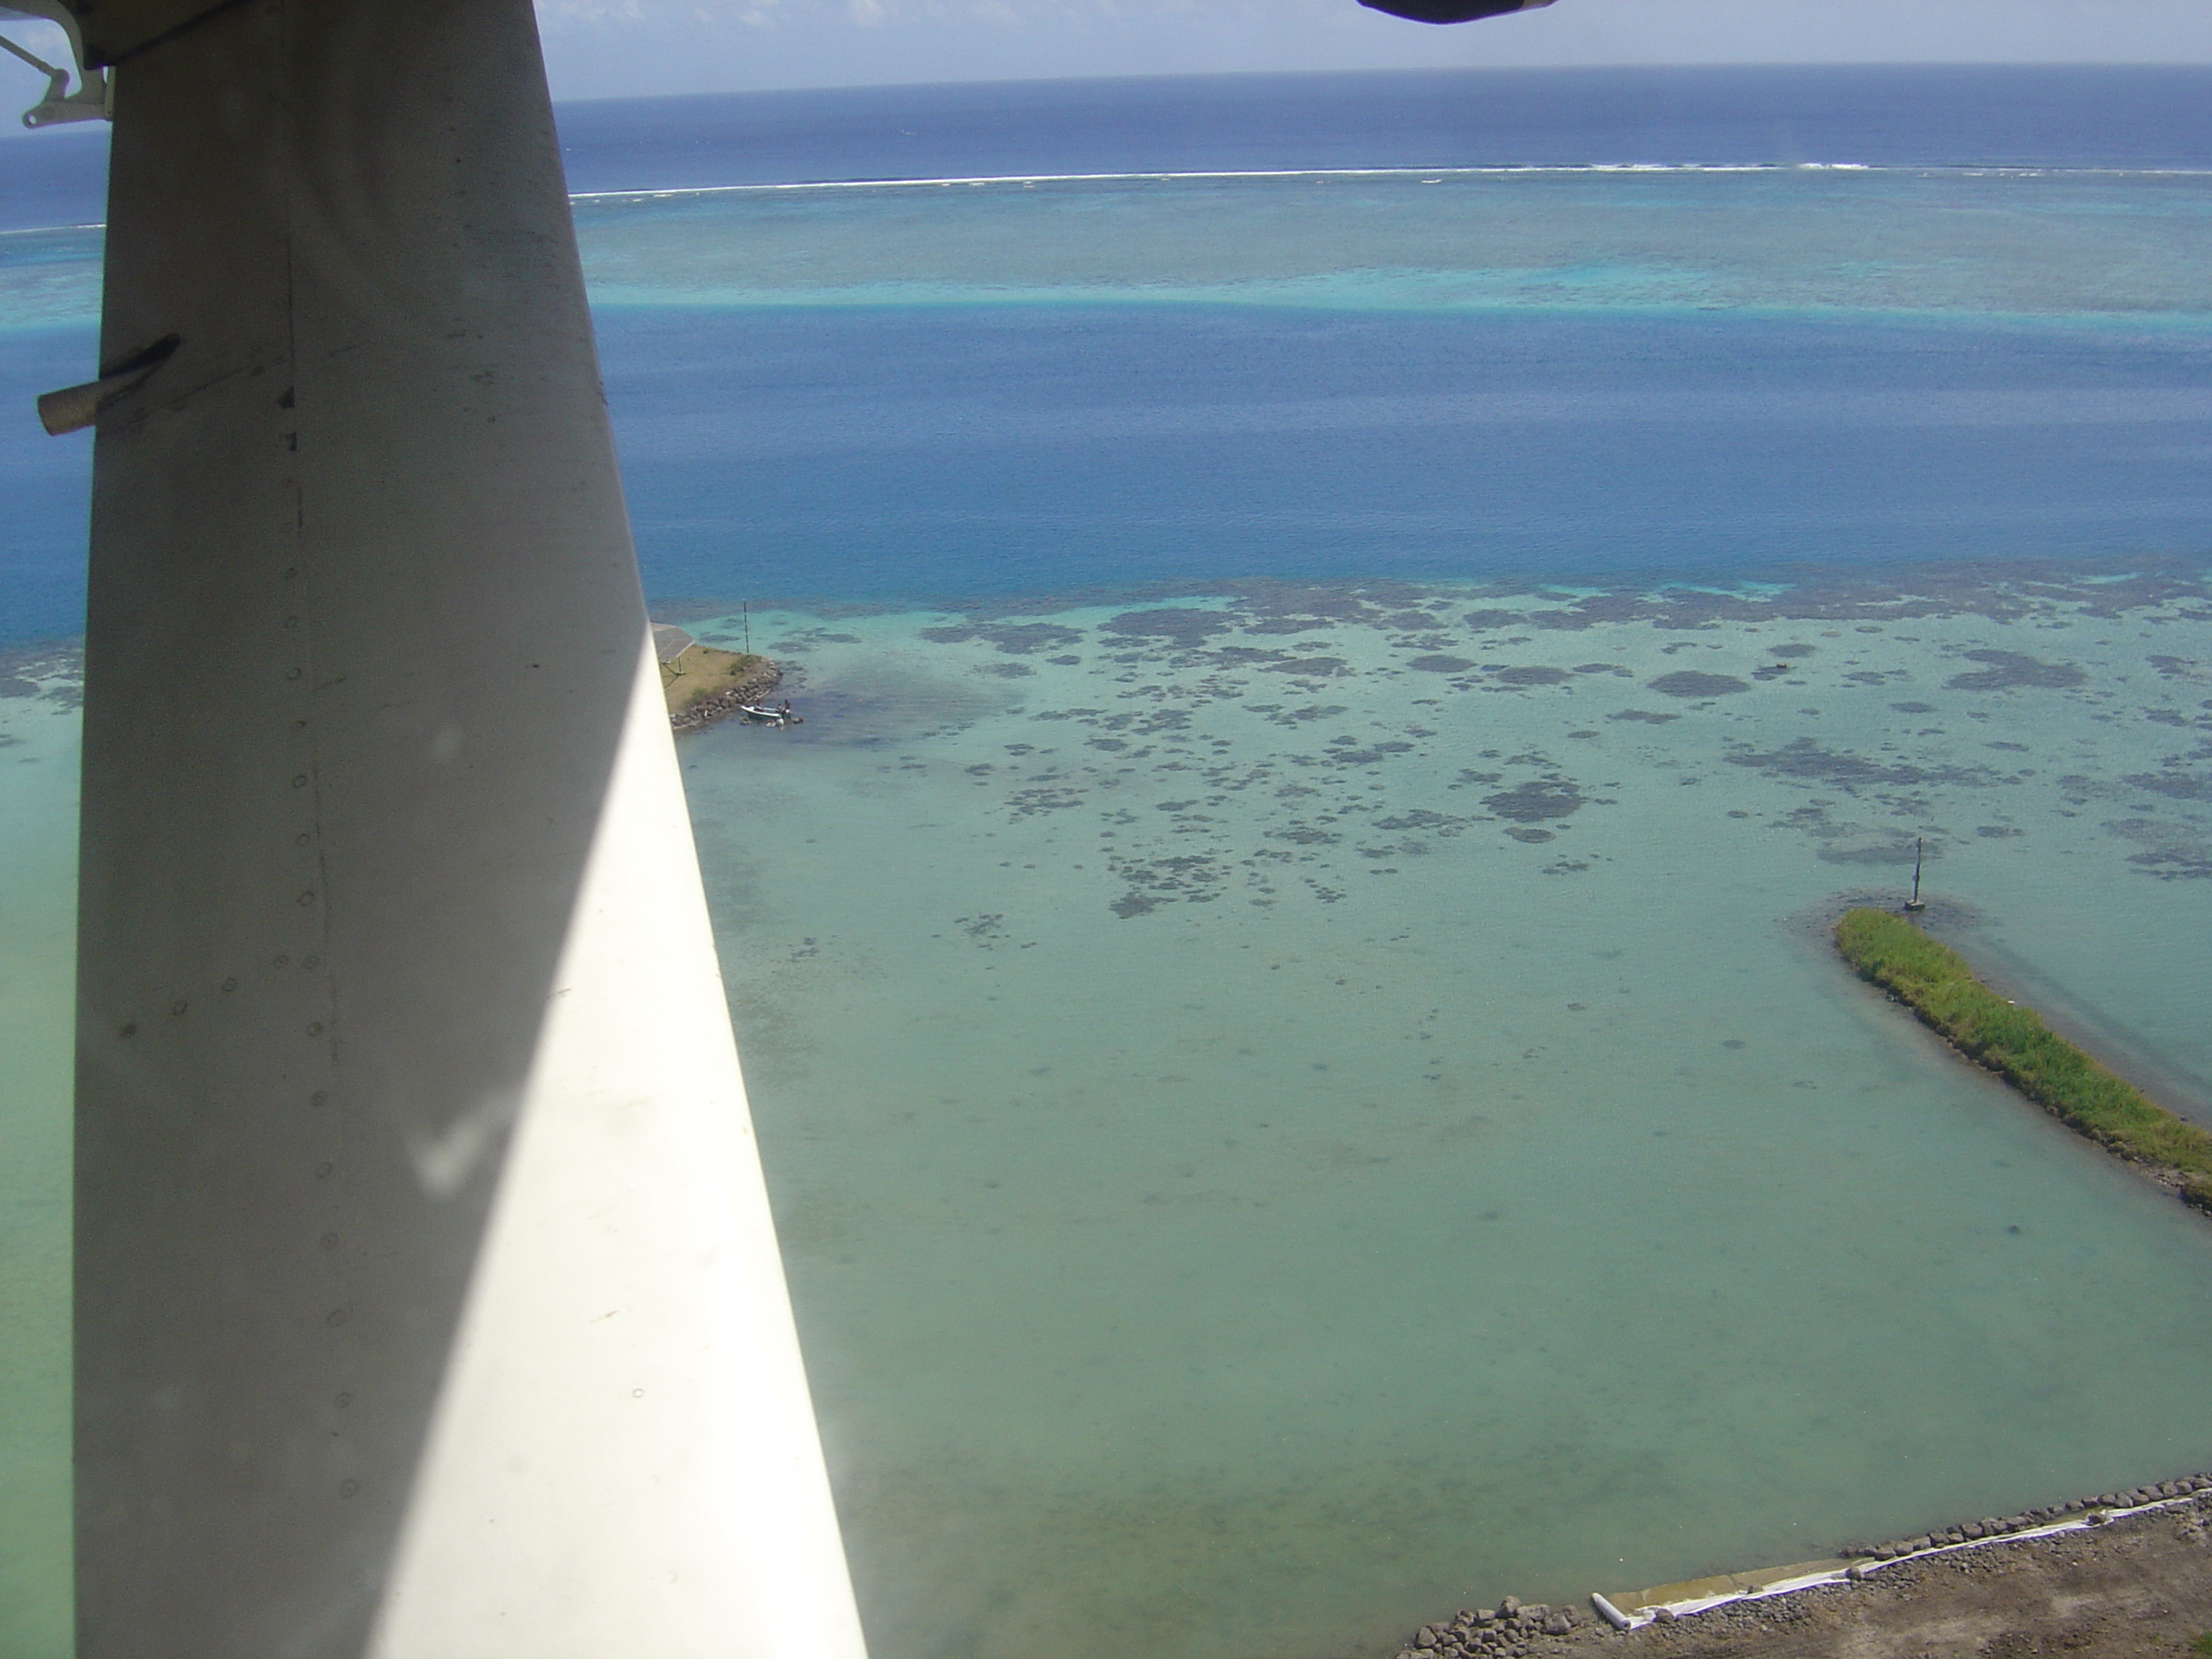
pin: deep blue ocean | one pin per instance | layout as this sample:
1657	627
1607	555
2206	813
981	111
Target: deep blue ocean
1009	450
861	424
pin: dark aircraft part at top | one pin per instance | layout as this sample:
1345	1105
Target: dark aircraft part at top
1451	11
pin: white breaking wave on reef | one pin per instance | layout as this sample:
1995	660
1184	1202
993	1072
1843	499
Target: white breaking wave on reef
676	192
1977	243
1500	170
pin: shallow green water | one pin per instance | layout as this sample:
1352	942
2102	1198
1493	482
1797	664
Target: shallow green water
1295	1110
37	994
1330	1105
1278	1135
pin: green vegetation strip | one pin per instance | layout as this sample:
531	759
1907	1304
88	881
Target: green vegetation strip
1935	983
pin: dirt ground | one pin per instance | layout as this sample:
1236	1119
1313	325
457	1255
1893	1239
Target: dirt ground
2136	1587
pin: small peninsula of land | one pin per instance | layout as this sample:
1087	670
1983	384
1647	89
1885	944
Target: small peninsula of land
703	684
1935	981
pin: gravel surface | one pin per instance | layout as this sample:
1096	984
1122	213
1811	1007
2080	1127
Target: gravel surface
2139	1586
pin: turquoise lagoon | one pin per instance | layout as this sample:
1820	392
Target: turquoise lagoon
1303	1094
1295	1105
1292	1112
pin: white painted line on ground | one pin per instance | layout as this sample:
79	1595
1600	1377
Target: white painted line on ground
1866	1567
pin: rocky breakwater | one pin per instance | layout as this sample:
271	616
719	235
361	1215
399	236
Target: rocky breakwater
1743	1602
1968	1531
716	685
1510	1628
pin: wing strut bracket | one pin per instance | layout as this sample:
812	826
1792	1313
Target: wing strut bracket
93	99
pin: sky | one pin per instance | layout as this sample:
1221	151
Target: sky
632	48
604	48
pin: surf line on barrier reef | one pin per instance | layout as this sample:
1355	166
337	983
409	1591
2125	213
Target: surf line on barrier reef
1998	1035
